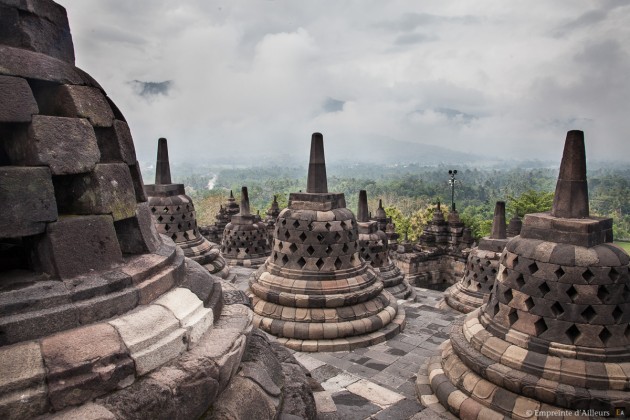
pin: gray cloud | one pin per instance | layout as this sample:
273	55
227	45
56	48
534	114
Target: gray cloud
149	89
333	105
256	78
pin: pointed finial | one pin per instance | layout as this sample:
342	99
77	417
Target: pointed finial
438	205
231	194
571	198
244	202
162	166
362	214
317	181
498	222
380	203
275	199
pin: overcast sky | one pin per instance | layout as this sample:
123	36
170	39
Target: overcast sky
489	77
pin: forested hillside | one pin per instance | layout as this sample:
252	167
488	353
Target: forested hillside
409	192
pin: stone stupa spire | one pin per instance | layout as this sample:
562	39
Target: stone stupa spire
362	213
571	197
244	202
498	221
317	182
162	165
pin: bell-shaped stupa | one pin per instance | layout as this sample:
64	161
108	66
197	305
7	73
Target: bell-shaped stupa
174	216
481	268
271	217
315	292
554	334
374	248
245	237
100	316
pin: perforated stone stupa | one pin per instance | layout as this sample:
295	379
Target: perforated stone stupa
245	237
315	292
555	332
481	268
386	224
214	233
271	217
373	248
174	216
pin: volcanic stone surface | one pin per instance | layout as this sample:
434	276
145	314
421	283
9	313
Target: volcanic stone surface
174	215
554	333
315	292
100	316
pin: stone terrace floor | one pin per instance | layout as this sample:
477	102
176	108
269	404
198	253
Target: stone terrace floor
379	382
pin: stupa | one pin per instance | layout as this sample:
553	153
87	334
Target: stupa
174	216
100	316
315	292
515	226
554	334
214	232
245	237
374	248
271	217
386	224
436	233
481	268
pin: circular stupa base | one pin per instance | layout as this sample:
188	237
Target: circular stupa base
246	262
396	326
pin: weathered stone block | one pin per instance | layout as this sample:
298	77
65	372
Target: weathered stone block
108	189
189	310
85	363
17	103
29	201
66	145
138	183
37	26
116	144
137	234
76	245
75	101
21	366
153	336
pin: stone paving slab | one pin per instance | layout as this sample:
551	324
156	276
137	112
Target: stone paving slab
379	382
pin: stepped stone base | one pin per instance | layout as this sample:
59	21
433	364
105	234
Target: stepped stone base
348	343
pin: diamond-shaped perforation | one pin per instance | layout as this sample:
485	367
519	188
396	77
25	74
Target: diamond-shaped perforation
557	309
605	335
513	316
301	262
589	313
319	263
345	248
337	236
573	333
544	288
153	209
287	234
617	314
310	250
342	224
285	259
327	226
338	263
533	268
572	293
540	326
495	309
588	275
559	273
293	247
329	250
613	275
280	246
507	295
520	281
603	294
529	303
320	237
302	236
296	224
283	222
